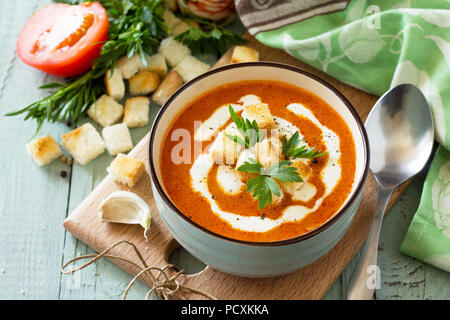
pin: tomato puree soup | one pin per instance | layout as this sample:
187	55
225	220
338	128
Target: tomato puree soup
217	190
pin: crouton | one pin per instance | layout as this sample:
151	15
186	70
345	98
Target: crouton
301	191
117	138
261	114
155	63
268	152
143	83
83	143
43	150
128	66
190	67
170	4
225	59
179	29
243	157
173	51
115	87
303	168
244	54
170	19
168	86
136	112
105	111
125	170
224	150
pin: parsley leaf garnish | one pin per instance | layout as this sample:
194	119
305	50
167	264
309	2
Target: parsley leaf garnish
290	148
265	184
248	129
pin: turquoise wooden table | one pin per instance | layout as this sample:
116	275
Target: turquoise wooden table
34	202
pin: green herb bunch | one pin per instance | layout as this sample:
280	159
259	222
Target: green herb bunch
135	26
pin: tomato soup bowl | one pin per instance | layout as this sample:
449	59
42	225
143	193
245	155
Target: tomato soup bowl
245	258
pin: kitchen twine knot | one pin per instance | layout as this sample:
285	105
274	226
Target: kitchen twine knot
164	285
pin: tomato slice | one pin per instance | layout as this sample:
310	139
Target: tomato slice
63	39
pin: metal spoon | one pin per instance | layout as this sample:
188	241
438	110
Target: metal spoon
401	133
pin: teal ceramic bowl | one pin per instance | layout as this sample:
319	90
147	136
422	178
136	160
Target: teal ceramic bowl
256	259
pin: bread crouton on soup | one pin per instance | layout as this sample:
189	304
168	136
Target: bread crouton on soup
105	111
143	83
83	143
136	112
190	67
244	54
126	170
43	150
224	150
173	51
155	63
168	86
128	66
261	114
117	138
114	84
268	152
244	157
301	191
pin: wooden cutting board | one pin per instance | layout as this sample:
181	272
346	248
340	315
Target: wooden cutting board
311	282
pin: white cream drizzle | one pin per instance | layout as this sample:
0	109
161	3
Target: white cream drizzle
227	180
221	116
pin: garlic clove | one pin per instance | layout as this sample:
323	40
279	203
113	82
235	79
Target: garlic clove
125	207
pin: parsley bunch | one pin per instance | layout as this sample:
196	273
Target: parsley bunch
265	184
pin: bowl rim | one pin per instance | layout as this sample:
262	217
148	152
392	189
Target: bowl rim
319	229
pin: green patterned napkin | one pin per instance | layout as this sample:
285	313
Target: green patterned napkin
429	233
375	45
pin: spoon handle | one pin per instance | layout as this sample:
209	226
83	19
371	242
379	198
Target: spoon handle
366	276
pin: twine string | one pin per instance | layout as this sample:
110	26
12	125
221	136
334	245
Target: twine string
164	284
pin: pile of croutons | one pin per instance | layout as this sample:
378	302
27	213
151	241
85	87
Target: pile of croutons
85	143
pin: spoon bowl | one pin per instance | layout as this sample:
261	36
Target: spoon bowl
401	135
400	129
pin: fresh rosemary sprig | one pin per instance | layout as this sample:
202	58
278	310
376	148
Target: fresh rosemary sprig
265	184
249	131
290	148
68	103
135	26
208	37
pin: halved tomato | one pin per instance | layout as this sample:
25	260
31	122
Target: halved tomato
63	39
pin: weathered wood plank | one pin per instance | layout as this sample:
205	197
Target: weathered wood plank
33	200
402	277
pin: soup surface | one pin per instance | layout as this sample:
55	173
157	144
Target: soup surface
214	195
